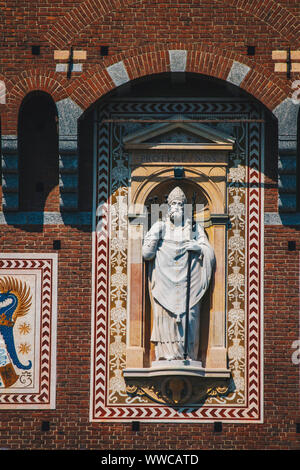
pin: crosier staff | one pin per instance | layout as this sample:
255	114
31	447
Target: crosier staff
188	285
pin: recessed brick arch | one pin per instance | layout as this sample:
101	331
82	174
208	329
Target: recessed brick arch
96	81
31	80
206	60
75	20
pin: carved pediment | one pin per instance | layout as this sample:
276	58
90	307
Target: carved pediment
180	135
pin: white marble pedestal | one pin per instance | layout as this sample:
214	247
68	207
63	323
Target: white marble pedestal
177	367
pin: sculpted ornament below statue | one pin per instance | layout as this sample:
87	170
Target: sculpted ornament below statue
167	246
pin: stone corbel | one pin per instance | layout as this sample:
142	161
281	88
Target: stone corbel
178	390
178	384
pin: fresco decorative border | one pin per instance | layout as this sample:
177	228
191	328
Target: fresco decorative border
249	408
40	392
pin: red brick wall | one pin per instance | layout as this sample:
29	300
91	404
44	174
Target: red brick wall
69	423
140	33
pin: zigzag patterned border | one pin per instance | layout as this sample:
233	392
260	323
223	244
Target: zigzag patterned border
101	268
47	265
225	107
153	413
254	267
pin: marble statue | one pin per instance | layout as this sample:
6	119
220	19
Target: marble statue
166	247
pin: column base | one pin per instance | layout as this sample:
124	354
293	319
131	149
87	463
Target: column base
216	358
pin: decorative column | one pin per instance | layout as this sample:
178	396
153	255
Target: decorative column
68	114
135	350
217	351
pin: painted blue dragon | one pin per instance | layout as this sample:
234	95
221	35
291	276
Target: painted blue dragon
15	301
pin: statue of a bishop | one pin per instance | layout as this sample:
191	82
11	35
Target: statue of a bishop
166	246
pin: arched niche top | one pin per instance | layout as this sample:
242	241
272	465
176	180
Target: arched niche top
199	150
210	186
33	102
160	192
196	198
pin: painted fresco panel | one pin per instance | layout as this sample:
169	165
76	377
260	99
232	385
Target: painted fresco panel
28	284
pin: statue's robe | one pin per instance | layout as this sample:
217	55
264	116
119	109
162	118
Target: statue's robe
168	271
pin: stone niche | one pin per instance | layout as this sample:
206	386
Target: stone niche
194	157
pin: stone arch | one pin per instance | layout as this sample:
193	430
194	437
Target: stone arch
209	188
30	81
97	81
206	60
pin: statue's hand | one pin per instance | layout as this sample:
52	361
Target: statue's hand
157	230
192	245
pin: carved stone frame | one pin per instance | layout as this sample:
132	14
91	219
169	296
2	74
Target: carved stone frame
111	398
207	168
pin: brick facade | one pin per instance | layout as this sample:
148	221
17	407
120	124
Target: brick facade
139	36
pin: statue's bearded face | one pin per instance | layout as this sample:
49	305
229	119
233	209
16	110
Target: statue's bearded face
176	210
